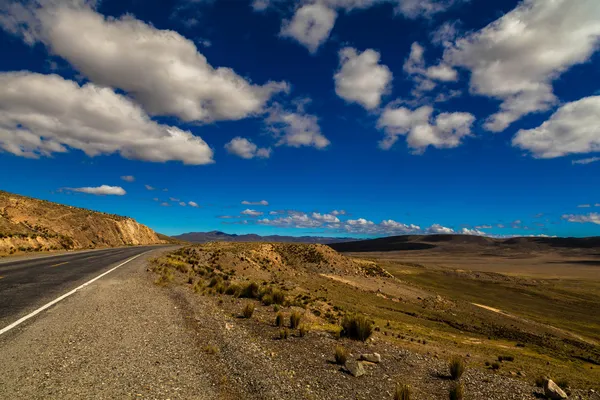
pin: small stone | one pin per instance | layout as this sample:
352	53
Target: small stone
355	368
553	391
371	357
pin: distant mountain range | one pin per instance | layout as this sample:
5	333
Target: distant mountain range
217	236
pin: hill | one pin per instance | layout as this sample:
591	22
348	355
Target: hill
457	243
28	224
217	236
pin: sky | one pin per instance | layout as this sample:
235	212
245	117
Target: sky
346	118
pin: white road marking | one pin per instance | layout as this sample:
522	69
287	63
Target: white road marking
64	296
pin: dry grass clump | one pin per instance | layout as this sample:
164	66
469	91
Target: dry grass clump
457	392
341	355
251	291
495	366
295	318
402	392
303	330
506	358
356	327
457	368
248	310
233	290
279	319
284	333
211	349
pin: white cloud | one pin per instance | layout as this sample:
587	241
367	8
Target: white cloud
45	114
295	128
329	218
516	57
165	204
439	229
338	212
193	204
161	69
148	187
255	203
252	213
174	199
128	178
292	221
101	190
310	25
361	79
445	131
474	232
244	148
584	161
597	205
155	199
425	77
483	227
593	218
584	206
445	33
182	203
573	129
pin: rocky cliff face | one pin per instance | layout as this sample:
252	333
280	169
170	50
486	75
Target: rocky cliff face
28	224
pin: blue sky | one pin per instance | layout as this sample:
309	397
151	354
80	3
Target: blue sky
343	117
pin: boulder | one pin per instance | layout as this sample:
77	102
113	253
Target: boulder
371	357
553	391
355	368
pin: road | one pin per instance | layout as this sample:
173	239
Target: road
27	284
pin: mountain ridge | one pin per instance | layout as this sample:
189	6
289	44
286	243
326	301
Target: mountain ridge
218	236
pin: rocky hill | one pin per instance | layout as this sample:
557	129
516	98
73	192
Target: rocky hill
28	224
217	236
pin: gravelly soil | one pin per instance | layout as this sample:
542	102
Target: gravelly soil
124	337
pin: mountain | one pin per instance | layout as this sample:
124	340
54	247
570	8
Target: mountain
466	242
217	236
28	224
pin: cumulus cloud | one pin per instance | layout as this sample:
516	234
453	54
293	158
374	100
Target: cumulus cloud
256	203
165	204
174	199
474	232
483	227
292	221
295	128
585	161
310	25
193	204
244	148
45	114
148	187
182	203
446	130
439	229
593	218
516	58
361	79
101	190
160	69
128	178
252	213
573	129
329	218
415	65
338	212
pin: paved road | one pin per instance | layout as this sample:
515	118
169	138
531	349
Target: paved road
28	284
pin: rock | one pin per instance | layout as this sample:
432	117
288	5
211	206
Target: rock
553	391
371	357
355	368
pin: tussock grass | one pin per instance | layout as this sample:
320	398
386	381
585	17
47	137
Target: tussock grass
356	327
402	392
341	355
457	392
303	330
279	319
457	368
251	291
233	290
248	310
295	319
211	349
284	333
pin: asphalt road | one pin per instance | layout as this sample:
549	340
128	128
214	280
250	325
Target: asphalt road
28	284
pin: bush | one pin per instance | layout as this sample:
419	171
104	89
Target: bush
278	297
276	308
457	392
284	333
506	358
220	288
267	299
457	368
356	327
295	318
303	330
402	392
495	366
251	291
233	290
279	319
248	310
341	355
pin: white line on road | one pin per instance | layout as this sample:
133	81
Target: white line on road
64	296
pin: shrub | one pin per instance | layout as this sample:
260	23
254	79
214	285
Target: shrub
457	368
402	392
295	318
284	333
356	327
216	280
506	358
303	330
341	355
279	319
267	299
278	297
233	290
457	392
220	288
248	310
276	308
251	291
495	366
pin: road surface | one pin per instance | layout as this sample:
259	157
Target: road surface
27	284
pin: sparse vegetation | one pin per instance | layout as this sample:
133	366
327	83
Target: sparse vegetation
356	327
402	392
251	291
279	319
303	330
211	349
506	358
457	368
295	319
457	391
495	366
341	355
248	310
284	333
